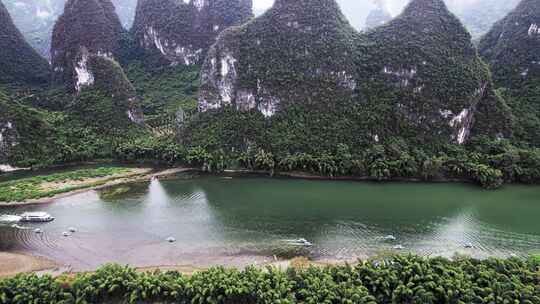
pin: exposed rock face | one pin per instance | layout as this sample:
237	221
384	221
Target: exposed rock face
106	75
87	40
18	61
377	17
182	31
298	51
512	46
87	27
421	68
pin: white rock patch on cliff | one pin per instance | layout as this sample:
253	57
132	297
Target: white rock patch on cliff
534	29
84	75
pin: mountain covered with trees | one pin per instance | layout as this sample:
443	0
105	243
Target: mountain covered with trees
19	63
295	89
181	32
87	40
511	48
418	77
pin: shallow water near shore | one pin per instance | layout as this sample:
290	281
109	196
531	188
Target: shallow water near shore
245	220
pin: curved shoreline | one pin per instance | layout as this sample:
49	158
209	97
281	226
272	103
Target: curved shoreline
168	172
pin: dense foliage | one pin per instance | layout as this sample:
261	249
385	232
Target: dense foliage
402	279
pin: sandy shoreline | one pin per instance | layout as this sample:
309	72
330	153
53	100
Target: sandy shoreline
13	263
141	174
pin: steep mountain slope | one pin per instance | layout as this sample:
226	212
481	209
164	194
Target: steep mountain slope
511	48
418	76
298	51
86	27
18	61
181	32
429	71
24	134
36	18
87	40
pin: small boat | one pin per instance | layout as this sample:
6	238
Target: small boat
36	217
171	239
390	238
300	242
65	233
399	247
468	246
38	231
72	229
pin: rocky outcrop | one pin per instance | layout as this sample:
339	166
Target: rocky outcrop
420	72
106	76
180	32
87	40
298	51
19	63
86	27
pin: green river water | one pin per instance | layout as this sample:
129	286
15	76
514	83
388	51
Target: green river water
238	221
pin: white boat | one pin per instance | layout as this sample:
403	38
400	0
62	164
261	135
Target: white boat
300	242
36	217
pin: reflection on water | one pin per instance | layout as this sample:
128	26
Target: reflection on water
245	220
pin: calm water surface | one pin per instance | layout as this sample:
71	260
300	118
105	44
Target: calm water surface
240	221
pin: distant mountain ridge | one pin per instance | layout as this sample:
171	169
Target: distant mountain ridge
18	61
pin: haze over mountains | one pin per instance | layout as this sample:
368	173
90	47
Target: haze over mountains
35	18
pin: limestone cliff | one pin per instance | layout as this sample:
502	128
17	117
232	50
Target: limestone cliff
180	32
298	51
417	76
86	27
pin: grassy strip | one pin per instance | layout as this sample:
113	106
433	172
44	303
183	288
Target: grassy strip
30	188
400	279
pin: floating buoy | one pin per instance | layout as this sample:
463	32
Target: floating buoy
171	239
38	231
72	229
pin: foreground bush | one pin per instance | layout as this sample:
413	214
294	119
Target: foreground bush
402	279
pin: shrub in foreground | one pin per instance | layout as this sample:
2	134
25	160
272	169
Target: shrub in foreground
400	279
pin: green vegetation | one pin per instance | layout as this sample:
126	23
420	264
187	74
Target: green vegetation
164	91
33	187
401	279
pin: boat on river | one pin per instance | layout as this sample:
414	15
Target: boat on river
300	242
36	217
